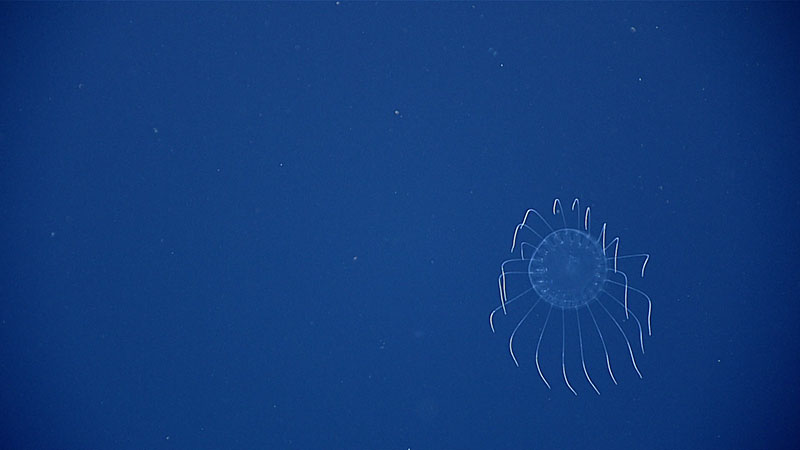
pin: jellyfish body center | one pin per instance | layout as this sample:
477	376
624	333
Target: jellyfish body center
568	268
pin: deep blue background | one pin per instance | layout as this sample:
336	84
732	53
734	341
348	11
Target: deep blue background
276	226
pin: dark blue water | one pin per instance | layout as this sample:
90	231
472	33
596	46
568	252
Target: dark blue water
280	226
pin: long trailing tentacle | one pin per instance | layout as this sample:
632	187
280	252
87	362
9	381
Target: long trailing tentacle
583	361
524	224
563	345
602	237
576	206
638	324
513	333
627	342
520	227
615	243
646	297
506	303
587	220
501	281
624	276
559	209
539	343
602	341
646	257
522	247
